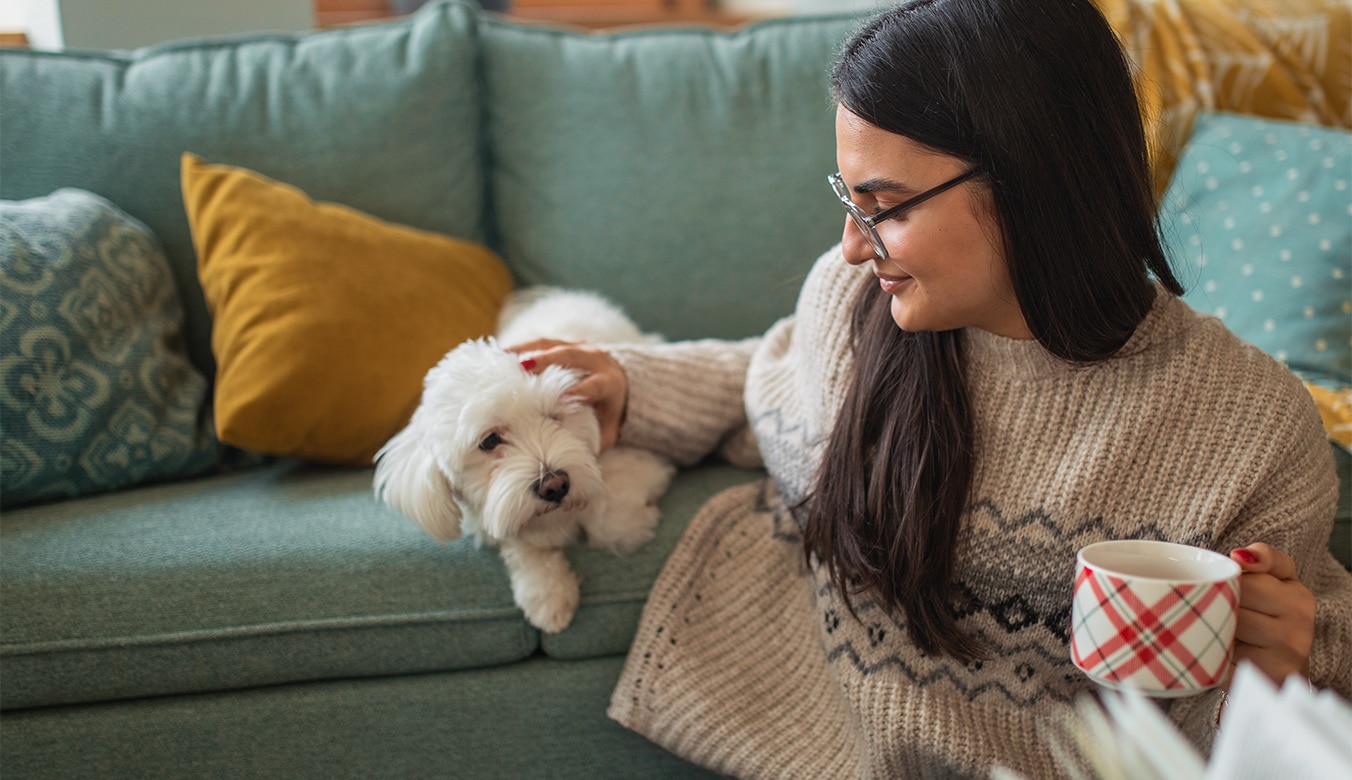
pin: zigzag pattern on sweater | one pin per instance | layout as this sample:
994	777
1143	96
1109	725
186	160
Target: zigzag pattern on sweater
769	425
1095	528
1017	670
1034	693
1021	663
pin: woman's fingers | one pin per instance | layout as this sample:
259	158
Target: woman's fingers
1275	626
1265	559
601	383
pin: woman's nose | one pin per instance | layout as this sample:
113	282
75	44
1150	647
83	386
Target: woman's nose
854	246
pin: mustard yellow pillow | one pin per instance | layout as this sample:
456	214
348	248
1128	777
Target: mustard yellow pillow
325	319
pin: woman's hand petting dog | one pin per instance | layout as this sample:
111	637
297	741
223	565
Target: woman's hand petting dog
603	383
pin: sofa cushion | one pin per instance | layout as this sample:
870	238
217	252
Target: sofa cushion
325	319
384	118
96	390
1259	217
287	573
540	719
638	163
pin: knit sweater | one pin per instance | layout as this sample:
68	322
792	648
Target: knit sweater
746	659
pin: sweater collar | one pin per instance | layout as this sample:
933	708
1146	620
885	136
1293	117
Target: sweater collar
1028	359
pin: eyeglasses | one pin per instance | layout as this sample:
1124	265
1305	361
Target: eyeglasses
868	224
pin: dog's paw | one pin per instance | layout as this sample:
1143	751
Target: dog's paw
544	586
551	608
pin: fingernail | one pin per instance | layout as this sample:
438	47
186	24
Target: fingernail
528	364
1244	556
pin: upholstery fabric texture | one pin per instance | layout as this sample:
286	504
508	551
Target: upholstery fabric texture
96	390
326	319
1335	407
414	726
384	118
282	574
755	101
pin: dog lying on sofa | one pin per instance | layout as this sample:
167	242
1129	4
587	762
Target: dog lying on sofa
509	457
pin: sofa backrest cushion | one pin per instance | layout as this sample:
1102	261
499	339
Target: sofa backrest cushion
680	172
392	107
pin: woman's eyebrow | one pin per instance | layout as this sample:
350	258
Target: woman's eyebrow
878	184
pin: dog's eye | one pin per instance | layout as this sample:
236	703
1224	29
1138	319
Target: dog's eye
490	442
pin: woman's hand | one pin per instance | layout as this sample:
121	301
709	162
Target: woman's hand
603	383
1276	613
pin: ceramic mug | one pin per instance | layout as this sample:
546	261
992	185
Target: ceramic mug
1155	617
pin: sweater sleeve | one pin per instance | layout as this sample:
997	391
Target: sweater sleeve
686	399
1291	508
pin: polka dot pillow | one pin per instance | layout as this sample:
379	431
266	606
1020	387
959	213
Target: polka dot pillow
1258	220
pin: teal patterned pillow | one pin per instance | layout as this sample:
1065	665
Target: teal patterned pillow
96	391
1258	216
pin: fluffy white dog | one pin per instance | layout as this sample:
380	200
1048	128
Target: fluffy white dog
509	457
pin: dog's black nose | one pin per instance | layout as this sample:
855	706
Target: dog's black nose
552	487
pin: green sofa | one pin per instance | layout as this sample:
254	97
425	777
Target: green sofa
231	615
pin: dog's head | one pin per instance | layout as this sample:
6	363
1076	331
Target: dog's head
490	447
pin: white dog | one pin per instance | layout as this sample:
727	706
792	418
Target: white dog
509	457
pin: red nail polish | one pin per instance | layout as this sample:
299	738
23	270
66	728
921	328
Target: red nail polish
1244	556
528	364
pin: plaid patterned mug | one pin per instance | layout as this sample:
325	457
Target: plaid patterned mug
1155	617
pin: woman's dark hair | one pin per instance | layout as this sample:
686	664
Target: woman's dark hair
1039	95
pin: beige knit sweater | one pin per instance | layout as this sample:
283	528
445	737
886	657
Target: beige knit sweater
747	662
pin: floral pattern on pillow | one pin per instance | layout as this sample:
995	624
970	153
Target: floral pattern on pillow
96	391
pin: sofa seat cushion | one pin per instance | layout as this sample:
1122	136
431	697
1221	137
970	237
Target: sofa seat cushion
279	574
538	719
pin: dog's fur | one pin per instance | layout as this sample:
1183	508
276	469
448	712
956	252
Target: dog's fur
510	458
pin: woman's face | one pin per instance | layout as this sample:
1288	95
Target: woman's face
945	267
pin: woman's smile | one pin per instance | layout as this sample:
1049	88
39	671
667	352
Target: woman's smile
891	283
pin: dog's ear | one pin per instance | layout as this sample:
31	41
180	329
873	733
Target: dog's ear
407	478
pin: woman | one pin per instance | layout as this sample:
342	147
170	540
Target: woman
980	379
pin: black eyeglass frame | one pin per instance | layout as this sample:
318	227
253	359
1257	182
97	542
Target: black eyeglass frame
868	224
